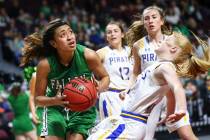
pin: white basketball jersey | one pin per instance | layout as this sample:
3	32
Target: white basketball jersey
146	93
147	52
119	67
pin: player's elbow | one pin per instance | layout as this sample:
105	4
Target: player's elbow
38	101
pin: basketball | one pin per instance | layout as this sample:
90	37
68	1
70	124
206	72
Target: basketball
81	94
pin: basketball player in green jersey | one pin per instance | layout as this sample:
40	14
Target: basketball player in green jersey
30	76
61	59
22	124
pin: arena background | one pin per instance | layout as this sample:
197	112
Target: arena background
88	18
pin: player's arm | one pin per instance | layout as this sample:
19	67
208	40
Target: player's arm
170	107
171	78
171	103
31	98
136	69
137	63
43	69
97	68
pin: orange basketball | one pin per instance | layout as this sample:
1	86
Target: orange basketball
81	94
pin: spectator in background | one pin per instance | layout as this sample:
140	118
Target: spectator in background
191	90
208	83
6	116
4	21
173	13
195	103
45	9
207	99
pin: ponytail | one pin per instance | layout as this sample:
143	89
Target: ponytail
33	48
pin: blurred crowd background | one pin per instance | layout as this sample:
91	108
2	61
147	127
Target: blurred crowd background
88	19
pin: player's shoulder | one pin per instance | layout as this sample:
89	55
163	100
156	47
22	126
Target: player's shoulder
103	52
166	67
43	65
139	43
89	53
43	62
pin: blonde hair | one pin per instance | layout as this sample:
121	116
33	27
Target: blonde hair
187	63
136	31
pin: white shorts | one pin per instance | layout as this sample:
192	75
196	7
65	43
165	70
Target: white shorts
153	120
109	104
182	122
128	126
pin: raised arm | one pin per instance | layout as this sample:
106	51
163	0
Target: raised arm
170	77
137	63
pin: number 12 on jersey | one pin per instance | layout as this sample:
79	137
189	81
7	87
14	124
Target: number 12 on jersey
124	73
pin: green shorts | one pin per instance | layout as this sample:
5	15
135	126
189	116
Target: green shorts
22	124
81	122
52	122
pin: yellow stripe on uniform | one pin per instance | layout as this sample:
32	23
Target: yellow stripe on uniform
133	116
102	137
185	118
109	108
107	133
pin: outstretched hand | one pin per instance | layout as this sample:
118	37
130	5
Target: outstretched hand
175	117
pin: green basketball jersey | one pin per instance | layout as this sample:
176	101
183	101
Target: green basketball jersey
60	75
55	117
20	105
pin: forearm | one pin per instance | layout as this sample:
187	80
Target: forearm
45	101
32	105
103	84
180	98
170	103
132	80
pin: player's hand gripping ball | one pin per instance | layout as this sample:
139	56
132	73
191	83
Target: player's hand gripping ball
81	94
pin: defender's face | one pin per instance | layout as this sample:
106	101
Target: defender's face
114	34
152	21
